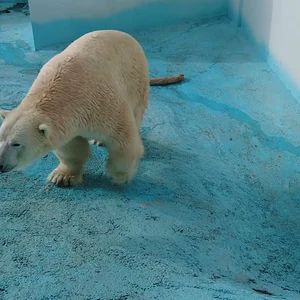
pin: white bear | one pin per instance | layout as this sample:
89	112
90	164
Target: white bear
96	89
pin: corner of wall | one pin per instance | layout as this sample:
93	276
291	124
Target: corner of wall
235	8
266	29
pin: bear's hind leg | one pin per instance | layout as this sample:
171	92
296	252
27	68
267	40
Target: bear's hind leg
72	157
123	163
125	151
141	105
139	114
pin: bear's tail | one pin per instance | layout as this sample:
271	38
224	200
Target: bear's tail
167	80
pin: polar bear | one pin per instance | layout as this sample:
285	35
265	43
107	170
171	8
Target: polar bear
96	89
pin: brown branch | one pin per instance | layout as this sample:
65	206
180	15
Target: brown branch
167	80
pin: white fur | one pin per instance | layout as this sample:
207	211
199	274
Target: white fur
97	88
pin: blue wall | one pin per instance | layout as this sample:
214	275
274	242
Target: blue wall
57	30
13	1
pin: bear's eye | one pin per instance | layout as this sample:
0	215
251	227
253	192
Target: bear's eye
16	145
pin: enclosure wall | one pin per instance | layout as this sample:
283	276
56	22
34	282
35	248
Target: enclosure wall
62	21
274	27
233	9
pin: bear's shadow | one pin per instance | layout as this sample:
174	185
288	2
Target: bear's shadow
94	178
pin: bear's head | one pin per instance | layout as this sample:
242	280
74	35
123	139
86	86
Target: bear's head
24	137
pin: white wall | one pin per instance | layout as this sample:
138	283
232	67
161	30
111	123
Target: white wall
275	25
284	42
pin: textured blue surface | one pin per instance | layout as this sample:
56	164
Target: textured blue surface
214	210
141	17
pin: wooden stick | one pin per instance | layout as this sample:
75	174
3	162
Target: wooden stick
167	80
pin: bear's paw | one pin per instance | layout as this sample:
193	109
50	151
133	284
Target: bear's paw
63	179
96	143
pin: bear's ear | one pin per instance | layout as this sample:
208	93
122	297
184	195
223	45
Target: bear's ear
3	114
45	130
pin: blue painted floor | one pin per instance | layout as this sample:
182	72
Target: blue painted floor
214	212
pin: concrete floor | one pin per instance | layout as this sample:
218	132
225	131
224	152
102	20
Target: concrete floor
214	212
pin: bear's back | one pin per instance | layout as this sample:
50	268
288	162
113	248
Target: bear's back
97	71
110	58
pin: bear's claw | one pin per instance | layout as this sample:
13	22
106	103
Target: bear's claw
64	180
96	143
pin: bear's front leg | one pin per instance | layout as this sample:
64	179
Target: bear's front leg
72	157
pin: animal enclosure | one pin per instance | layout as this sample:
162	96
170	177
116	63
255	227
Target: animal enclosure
214	209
